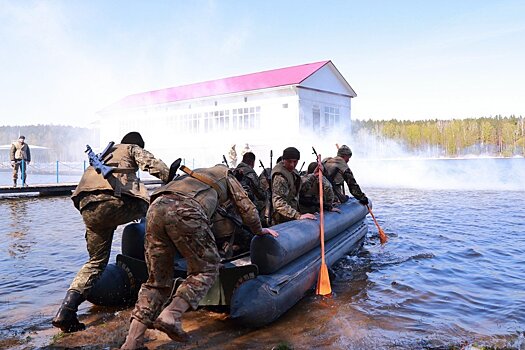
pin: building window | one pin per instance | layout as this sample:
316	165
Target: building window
331	117
246	118
285	105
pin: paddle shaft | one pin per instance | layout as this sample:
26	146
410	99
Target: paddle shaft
321	211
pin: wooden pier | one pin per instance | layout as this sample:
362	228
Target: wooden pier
59	189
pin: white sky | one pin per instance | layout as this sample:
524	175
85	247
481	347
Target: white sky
61	61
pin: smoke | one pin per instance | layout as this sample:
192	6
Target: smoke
379	162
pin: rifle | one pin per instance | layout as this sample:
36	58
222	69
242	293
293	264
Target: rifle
341	197
301	167
225	161
270	206
97	160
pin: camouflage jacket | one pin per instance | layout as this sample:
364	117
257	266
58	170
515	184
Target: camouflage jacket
309	194
285	193
225	188
338	171
20	151
250	181
122	156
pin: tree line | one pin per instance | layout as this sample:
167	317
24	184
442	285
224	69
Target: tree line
491	136
62	143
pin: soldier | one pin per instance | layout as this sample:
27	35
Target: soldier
179	219
232	154
20	153
249	180
309	193
104	204
338	172
286	184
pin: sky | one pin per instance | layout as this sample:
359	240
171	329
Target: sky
62	61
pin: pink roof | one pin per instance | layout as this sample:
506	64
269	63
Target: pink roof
255	81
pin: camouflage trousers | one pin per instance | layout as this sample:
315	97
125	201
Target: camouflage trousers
173	223
23	168
101	219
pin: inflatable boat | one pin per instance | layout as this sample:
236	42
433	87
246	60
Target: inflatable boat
257	286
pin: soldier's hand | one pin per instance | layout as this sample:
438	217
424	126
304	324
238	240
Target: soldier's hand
269	231
364	201
307	216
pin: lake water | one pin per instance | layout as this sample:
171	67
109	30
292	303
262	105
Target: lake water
452	273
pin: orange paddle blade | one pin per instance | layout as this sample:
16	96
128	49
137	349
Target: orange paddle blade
323	282
382	235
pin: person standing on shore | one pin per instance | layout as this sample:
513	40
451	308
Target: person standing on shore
104	204
20	156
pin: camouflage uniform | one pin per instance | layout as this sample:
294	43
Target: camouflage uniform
337	170
106	203
309	195
250	182
232	154
19	152
285	193
179	218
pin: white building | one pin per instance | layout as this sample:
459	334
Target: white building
270	109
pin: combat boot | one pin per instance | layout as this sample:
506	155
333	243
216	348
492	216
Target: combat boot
170	320
135	338
66	318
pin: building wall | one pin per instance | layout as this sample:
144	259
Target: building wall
210	126
201	131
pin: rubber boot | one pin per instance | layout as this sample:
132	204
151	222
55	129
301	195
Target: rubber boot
66	318
135	338
170	320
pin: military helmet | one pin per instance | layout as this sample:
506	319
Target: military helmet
344	150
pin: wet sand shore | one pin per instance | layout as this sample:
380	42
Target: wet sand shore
107	329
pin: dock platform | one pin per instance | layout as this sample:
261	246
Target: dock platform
59	189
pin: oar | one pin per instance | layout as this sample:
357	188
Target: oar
382	235
323	280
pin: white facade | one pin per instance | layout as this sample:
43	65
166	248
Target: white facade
202	130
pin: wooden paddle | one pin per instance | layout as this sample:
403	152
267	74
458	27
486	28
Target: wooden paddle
382	235
323	280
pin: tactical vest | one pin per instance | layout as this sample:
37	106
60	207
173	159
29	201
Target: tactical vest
20	150
335	167
241	172
208	197
294	183
118	183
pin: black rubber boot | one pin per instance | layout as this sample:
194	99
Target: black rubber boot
66	318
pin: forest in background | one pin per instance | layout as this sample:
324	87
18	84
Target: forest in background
487	136
495	136
63	143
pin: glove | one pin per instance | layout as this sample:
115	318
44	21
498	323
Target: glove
364	201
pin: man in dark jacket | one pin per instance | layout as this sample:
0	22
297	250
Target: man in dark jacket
104	204
20	156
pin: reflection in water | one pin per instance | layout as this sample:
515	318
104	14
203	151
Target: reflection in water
452	273
20	243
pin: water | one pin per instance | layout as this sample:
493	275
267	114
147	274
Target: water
452	273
